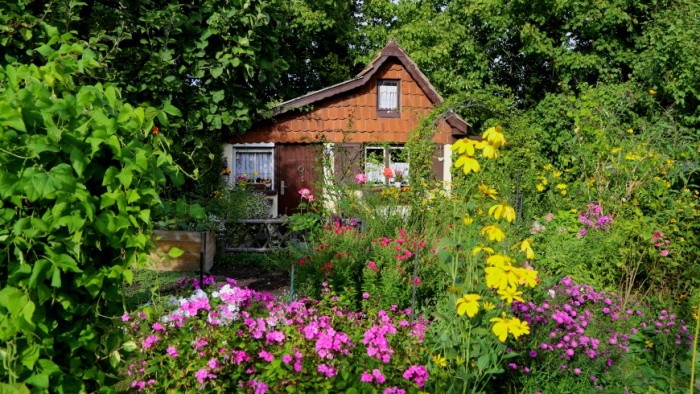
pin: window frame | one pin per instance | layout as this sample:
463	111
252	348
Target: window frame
386	162
254	148
389	113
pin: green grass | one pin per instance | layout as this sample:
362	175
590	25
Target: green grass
148	284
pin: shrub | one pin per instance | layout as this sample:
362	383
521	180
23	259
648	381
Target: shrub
78	179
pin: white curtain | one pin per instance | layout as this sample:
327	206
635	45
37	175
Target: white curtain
389	96
250	162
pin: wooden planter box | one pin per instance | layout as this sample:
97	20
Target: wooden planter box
192	242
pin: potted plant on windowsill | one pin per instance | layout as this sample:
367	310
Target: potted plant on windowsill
186	227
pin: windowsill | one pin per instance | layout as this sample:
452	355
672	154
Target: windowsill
388	113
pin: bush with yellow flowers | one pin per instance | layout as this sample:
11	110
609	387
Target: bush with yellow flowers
487	269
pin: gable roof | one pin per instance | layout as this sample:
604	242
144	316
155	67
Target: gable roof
391	50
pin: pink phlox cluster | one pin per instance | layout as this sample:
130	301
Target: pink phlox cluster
327	370
328	341
142	384
149	341
394	390
274	336
258	387
172	351
203	374
594	219
200	343
267	356
239	356
376	339
417	373
256	327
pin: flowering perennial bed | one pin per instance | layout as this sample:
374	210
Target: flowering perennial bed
230	339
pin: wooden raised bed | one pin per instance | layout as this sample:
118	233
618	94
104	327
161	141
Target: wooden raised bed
193	243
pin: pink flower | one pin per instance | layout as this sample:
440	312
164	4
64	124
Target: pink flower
125	317
157	327
267	356
361	178
372	266
149	341
664	253
366	377
213	363
287	358
365	295
310	197
378	375
327	370
304	192
172	352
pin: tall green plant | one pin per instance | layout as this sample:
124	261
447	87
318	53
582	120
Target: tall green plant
78	176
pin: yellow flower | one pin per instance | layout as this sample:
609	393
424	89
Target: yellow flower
615	150
652	91
488	151
544	181
511	293
563	192
547	167
488	306
488	192
556	174
498	260
527	248
494	232
440	360
468	164
527	276
468	220
465	146
518	328
255	174
501	277
469	304
649	344
540	187
561	186
630	131
503	209
480	248
500	327
494	137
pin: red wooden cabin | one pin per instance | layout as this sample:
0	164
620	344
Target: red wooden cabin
360	125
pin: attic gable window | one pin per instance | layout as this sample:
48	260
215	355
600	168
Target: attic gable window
388	94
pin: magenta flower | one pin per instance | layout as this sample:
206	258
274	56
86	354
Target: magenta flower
394	390
267	356
365	295
366	377
664	253
213	363
158	327
172	352
361	178
125	317
378	375
149	341
327	370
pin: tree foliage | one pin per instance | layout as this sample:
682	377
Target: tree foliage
79	173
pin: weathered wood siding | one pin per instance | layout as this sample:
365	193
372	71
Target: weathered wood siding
191	243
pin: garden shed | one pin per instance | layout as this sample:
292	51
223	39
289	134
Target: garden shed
360	125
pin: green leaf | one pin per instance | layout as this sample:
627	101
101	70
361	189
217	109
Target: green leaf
171	110
175	252
129	346
10	117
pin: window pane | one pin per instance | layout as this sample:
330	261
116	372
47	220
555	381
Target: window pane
253	165
374	164
388	95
